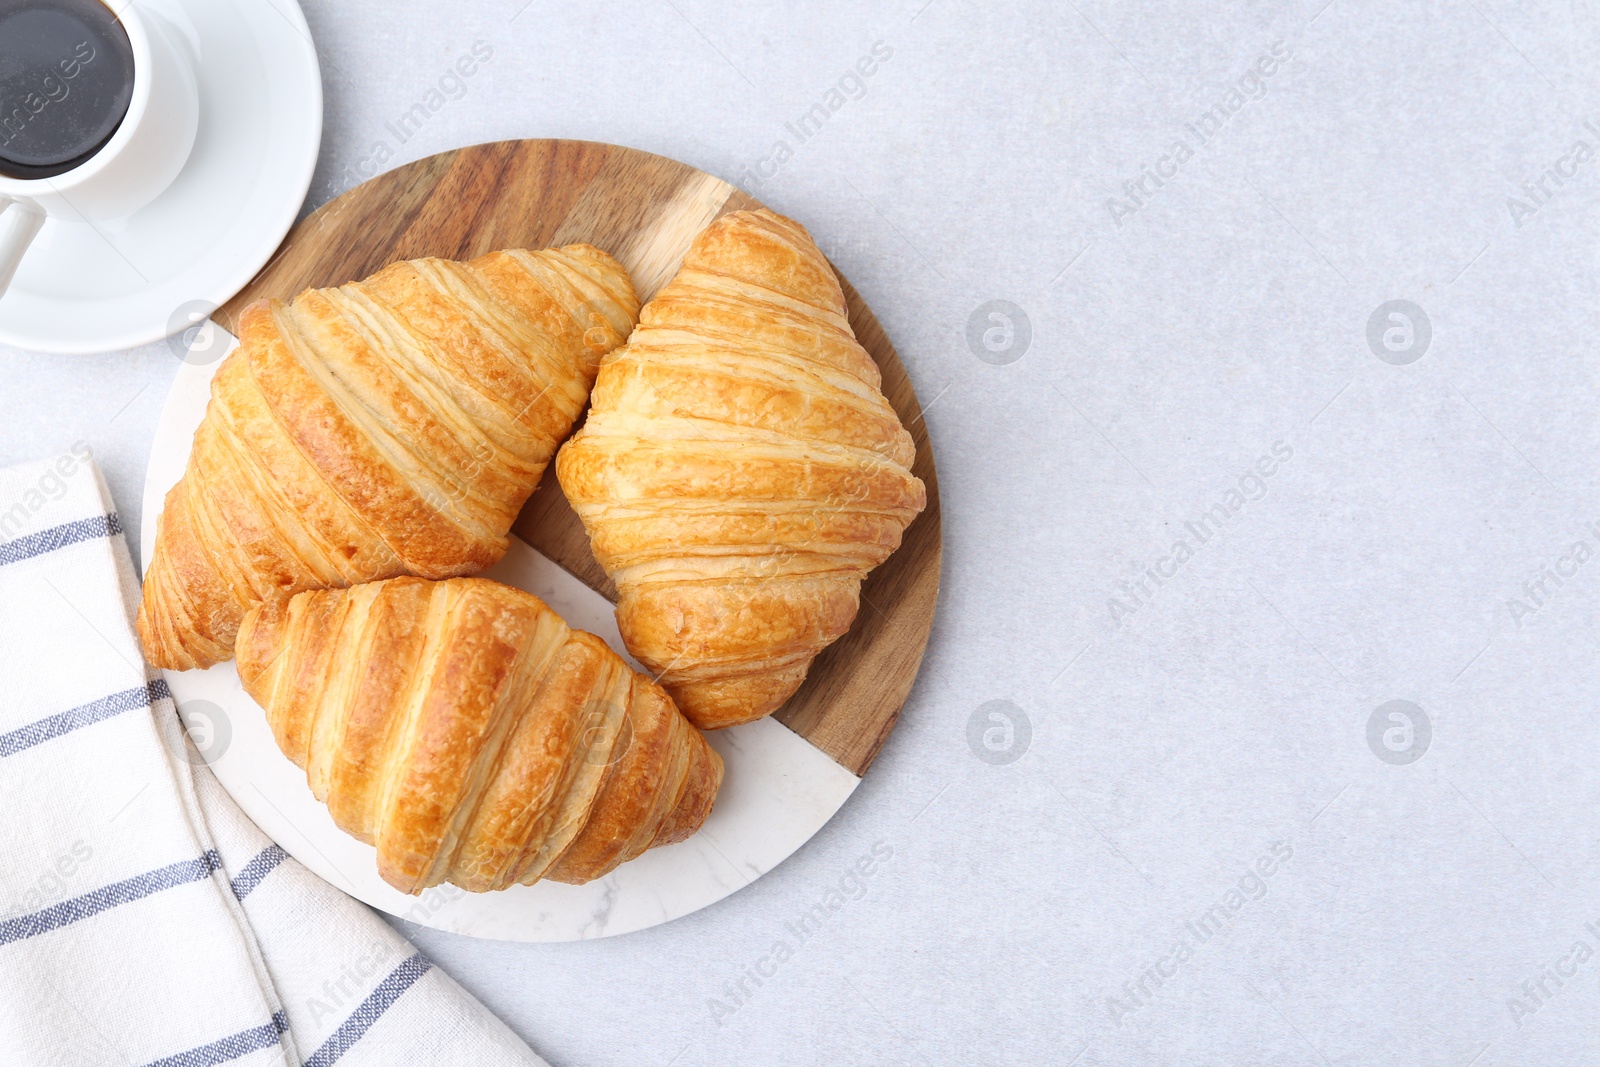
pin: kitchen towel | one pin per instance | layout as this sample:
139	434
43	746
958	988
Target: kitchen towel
144	919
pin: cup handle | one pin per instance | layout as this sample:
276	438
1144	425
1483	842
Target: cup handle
20	221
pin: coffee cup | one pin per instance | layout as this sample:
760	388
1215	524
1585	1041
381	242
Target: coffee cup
140	156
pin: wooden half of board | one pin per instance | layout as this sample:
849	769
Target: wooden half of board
645	210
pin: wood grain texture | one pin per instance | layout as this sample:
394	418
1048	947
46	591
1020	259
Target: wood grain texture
645	210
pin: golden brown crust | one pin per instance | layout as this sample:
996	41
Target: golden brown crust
467	733
740	471
390	426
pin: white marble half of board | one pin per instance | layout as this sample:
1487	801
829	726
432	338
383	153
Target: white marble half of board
778	791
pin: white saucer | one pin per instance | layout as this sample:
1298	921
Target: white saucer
114	285
778	790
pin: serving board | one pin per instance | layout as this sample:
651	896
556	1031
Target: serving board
785	776
645	210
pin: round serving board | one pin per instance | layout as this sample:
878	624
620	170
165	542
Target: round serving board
787	775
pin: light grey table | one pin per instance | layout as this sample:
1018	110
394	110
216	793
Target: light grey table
1212	503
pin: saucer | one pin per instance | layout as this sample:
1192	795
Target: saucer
105	286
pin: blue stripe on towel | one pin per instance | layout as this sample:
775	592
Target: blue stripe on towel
70	533
257	869
108	897
352	1029
229	1048
64	722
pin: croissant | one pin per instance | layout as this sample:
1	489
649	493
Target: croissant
391	426
465	731
740	471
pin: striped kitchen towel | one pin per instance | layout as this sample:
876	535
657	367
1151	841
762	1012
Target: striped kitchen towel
143	918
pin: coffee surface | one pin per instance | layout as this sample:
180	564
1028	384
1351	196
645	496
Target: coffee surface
66	78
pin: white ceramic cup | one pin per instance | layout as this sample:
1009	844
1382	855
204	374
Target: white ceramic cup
140	160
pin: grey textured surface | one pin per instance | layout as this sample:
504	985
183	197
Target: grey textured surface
1187	731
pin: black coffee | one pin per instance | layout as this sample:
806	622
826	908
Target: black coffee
66	76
